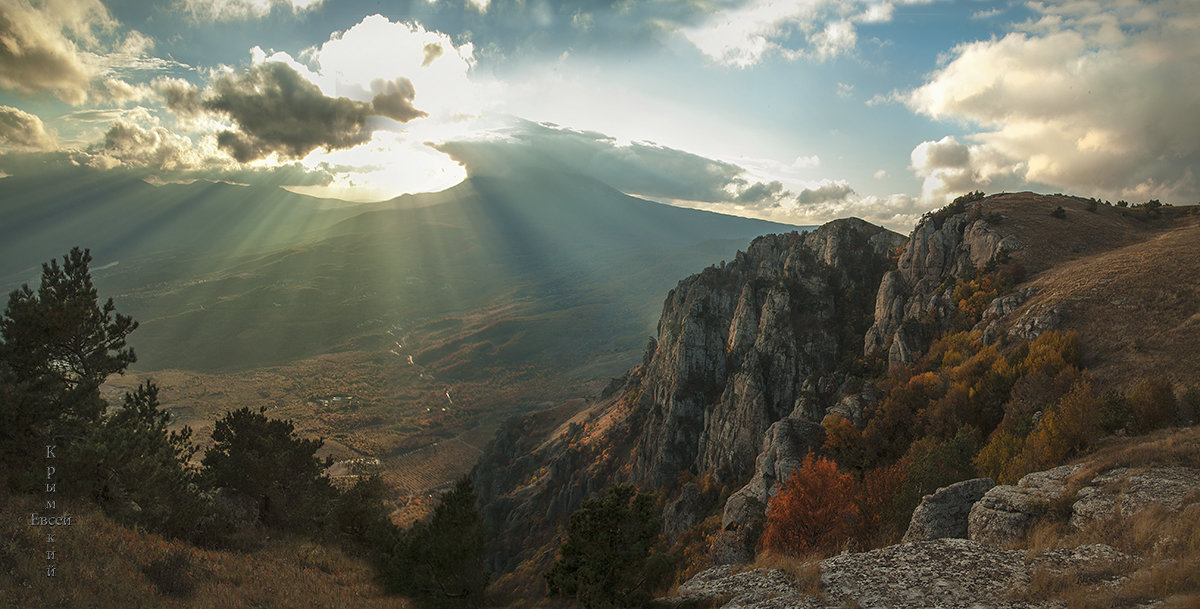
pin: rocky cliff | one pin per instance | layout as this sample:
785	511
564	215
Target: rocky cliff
745	351
737	344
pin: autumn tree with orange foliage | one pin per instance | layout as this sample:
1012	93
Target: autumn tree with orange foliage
814	512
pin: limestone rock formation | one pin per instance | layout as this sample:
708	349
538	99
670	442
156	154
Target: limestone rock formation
944	513
943	245
743	364
736	344
1005	513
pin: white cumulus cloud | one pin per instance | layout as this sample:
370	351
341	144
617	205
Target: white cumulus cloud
20	130
1098	98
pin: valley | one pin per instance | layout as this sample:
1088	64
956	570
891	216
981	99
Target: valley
403	331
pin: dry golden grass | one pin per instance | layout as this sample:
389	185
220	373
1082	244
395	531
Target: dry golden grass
1128	284
804	570
100	563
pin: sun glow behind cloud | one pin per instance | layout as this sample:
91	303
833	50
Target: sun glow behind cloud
399	158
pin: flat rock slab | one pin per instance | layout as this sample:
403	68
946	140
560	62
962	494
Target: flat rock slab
944	573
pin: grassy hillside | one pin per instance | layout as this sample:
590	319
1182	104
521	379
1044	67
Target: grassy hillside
100	563
1126	279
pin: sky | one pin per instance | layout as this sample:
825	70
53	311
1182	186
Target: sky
799	112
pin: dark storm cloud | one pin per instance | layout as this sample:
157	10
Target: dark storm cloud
395	98
279	111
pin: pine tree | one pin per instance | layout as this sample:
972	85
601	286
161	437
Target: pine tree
57	347
439	562
263	459
608	558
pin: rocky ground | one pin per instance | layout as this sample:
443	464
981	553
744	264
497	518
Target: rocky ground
970	545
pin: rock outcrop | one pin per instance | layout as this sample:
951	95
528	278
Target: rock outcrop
1123	492
943	245
1005	513
736	344
939	574
932	574
944	513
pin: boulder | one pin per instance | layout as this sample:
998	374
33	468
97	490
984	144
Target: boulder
944	513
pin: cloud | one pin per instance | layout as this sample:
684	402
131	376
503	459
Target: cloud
807	162
280	106
836	199
881	174
742	36
395	99
121	92
830	192
20	130
949	168
278	111
1092	97
762	194
987	14
238	10
677	177
432	51
182	97
65	48
837	38
36	54
428	63
136	142
128	143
